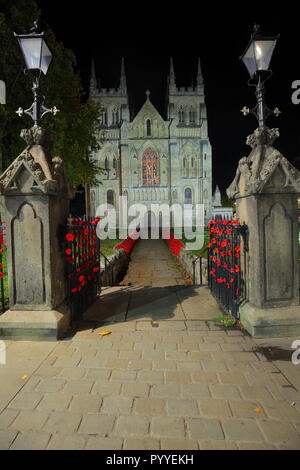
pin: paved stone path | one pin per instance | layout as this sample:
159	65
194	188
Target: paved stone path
166	377
152	264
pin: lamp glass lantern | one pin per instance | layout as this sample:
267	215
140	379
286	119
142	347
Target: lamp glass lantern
36	53
258	55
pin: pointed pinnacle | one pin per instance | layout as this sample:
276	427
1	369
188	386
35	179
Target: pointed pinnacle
93	70
199	73
123	83
172	74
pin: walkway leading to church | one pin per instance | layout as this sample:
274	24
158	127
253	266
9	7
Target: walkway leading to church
165	377
152	265
167	384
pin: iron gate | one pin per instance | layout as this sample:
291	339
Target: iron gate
82	254
224	263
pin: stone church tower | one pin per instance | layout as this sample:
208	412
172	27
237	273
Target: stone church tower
147	158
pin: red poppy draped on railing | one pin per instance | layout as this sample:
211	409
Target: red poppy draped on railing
224	262
82	255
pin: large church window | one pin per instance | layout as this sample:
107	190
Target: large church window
188	196
106	164
150	168
148	125
110	197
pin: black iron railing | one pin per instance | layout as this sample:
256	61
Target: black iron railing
199	261
108	264
82	253
4	301
228	243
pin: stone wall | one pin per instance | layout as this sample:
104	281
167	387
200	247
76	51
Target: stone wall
113	273
186	259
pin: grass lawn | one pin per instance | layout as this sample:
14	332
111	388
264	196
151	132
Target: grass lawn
107	245
199	250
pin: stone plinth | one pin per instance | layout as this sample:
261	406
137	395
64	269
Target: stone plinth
266	187
36	198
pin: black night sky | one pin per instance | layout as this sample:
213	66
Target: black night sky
148	33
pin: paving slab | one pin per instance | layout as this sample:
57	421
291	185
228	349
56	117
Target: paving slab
167	377
110	305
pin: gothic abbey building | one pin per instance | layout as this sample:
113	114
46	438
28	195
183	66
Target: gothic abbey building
147	158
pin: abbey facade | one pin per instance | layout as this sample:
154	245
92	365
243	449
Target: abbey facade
149	159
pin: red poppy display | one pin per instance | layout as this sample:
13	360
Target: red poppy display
220	233
175	245
70	237
127	244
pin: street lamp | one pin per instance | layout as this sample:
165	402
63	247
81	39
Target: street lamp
37	57
257	58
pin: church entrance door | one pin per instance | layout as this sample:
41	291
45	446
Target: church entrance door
152	225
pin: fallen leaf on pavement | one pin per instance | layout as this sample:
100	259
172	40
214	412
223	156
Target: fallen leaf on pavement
104	333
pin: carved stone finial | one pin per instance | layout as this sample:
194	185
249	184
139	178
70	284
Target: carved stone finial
36	136
265	169
262	136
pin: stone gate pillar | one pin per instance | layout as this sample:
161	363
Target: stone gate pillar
266	187
35	194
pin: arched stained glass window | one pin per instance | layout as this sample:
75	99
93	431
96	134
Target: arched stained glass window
181	116
115	117
150	168
192	116
103	117
188	196
110	197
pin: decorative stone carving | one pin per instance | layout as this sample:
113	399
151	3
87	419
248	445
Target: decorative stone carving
256	172
46	175
262	137
36	136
